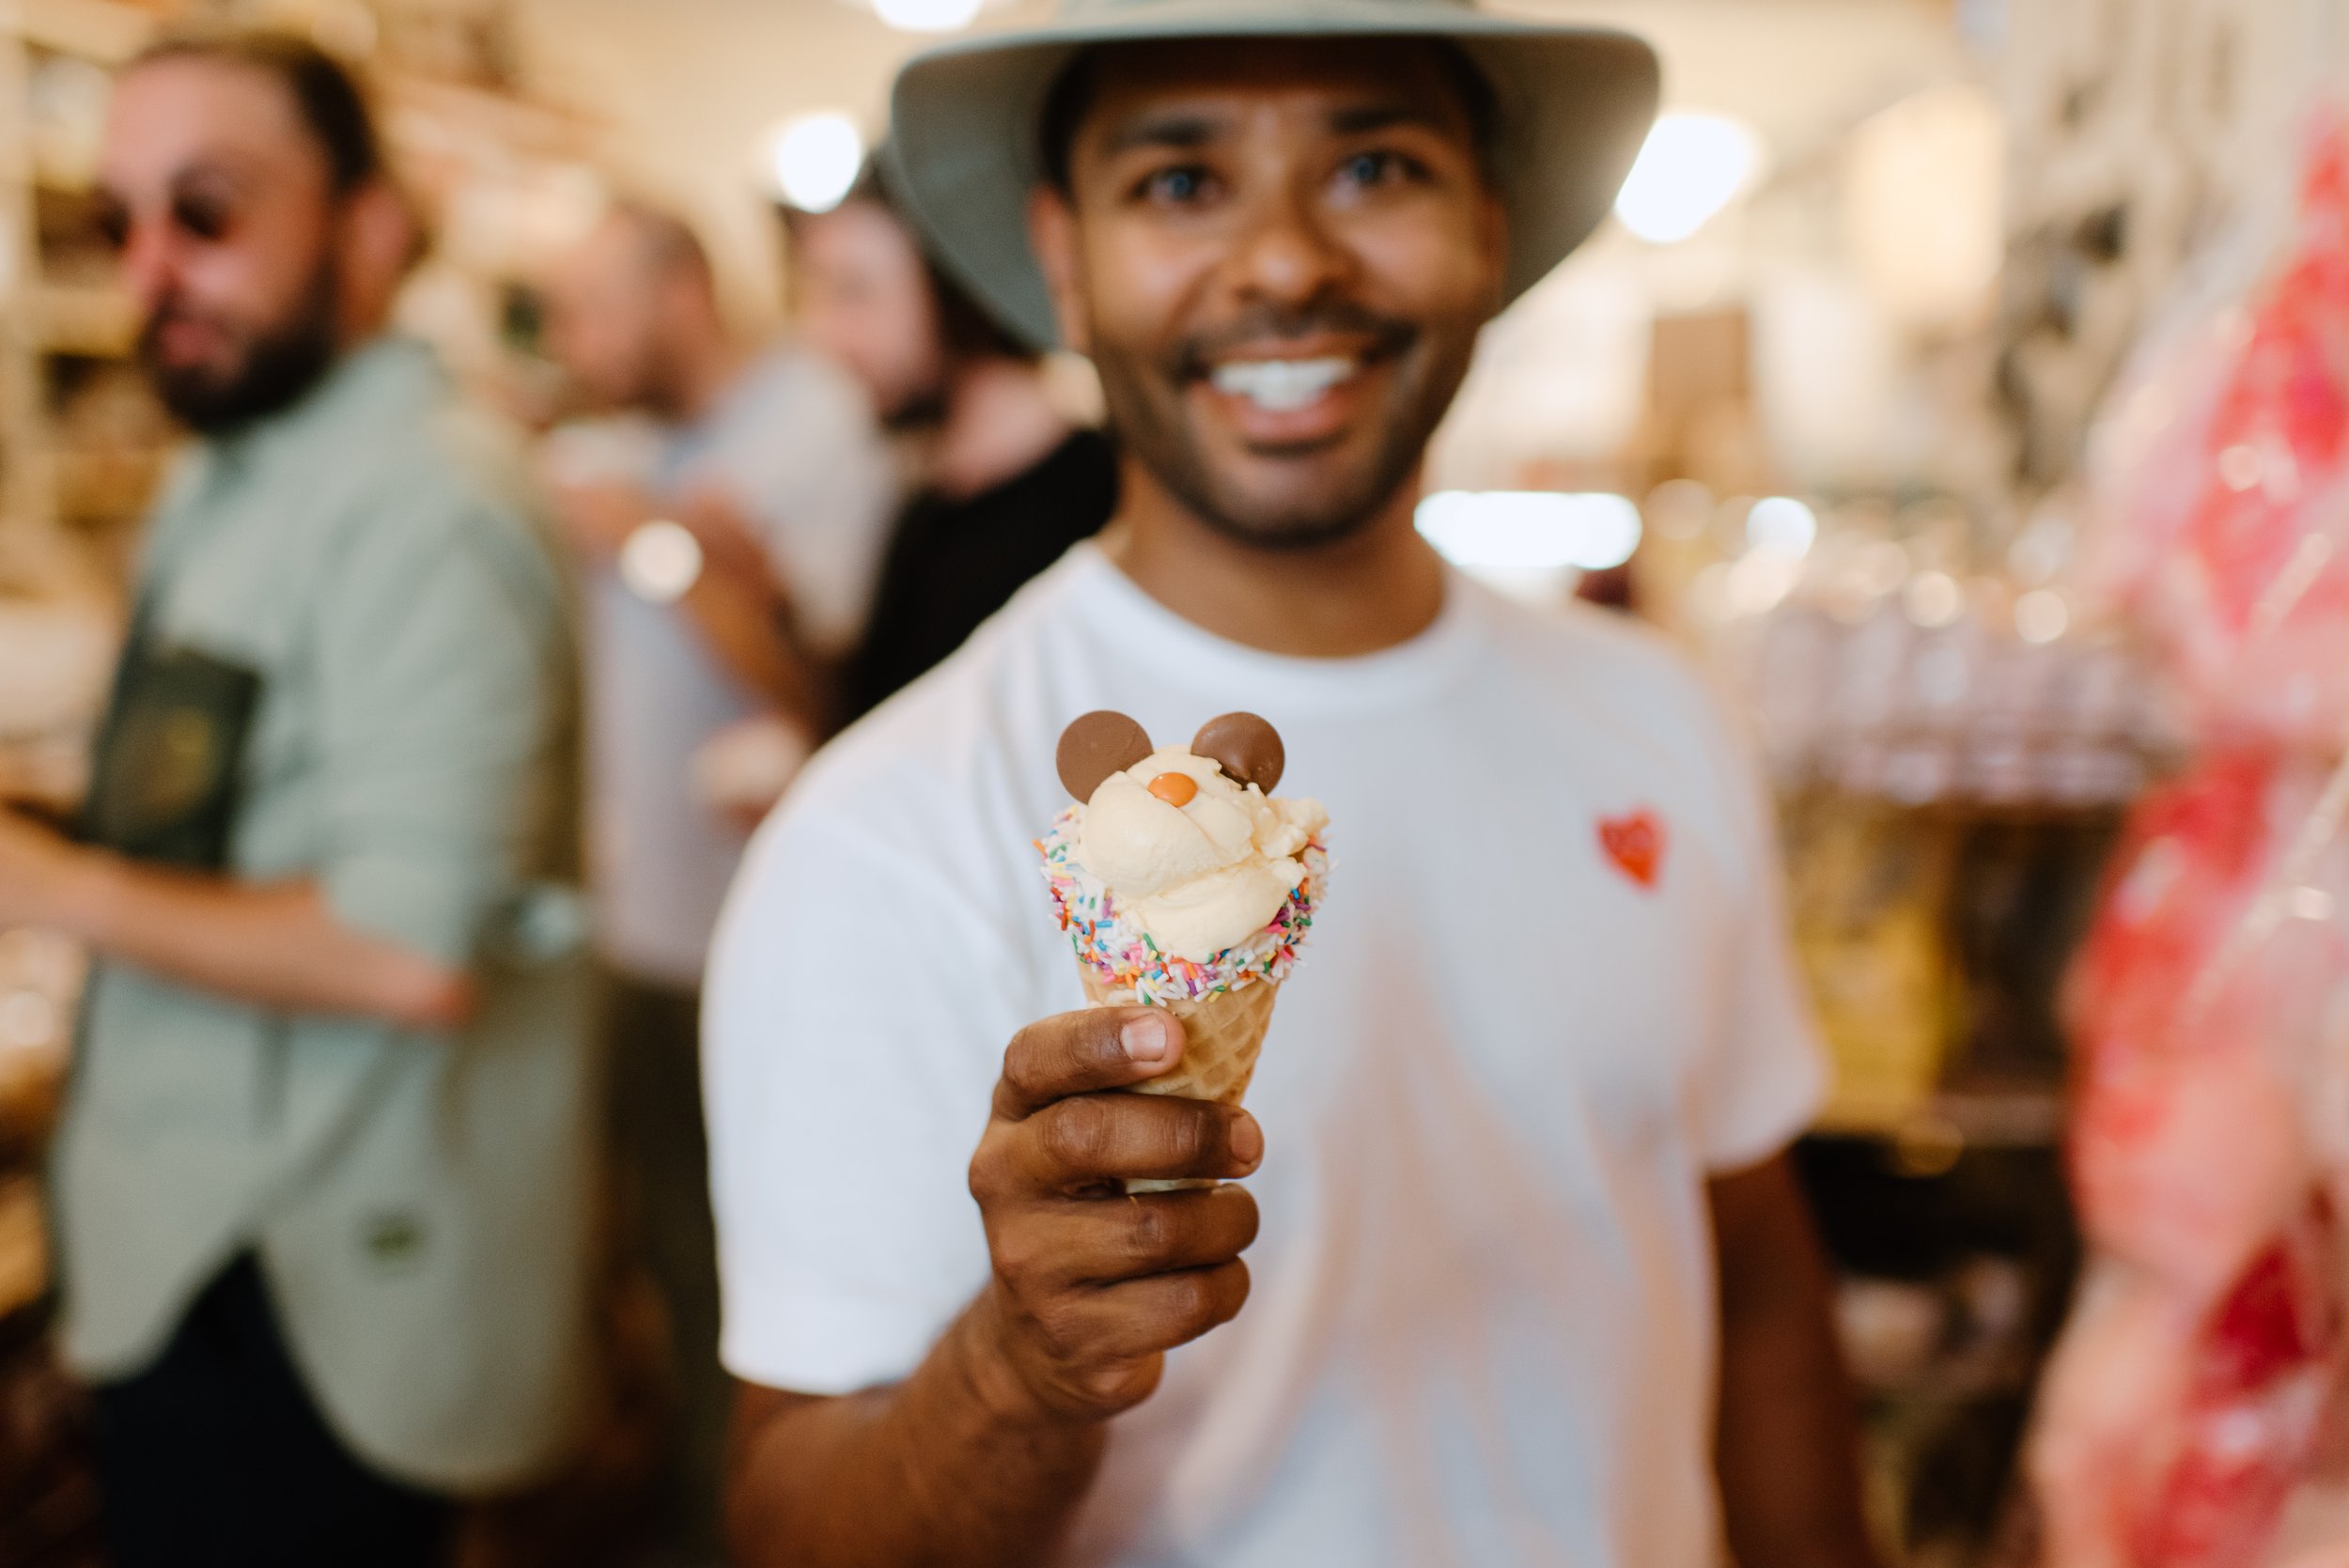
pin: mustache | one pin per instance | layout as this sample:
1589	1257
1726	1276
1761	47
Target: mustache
1266	324
169	312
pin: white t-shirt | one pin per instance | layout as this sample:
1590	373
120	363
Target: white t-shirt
794	447
1482	1328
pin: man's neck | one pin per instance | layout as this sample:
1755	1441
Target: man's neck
1379	586
1000	422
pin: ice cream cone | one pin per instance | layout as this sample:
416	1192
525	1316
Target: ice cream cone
1182	884
1222	1034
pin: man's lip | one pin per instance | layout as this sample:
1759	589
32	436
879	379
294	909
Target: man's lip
1290	432
184	334
1289	351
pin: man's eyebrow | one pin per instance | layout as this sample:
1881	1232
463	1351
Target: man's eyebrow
1360	118
1183	129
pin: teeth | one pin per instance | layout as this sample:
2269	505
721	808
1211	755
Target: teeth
1281	385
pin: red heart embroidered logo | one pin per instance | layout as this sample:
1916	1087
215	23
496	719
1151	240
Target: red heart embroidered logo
1635	843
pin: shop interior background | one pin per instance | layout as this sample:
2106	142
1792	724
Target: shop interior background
1818	402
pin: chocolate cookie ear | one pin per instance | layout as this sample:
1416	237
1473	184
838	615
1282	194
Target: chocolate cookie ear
1247	749
1093	747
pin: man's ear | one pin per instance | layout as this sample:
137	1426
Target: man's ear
1053	236
380	240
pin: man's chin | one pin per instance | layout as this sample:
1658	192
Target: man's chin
1291	523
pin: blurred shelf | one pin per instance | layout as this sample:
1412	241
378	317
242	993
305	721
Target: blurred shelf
88	320
1929	1137
106	31
1961	1380
423	112
24	1248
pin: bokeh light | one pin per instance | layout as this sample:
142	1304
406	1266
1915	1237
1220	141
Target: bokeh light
814	159
1692	166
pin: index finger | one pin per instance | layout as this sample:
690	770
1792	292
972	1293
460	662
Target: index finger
1079	1053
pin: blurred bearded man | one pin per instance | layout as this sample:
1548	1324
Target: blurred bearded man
318	1186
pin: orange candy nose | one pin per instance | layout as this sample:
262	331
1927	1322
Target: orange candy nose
1176	789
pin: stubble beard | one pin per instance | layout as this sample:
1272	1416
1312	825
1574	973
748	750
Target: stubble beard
274	370
1144	406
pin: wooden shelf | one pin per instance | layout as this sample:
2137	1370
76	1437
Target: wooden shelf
106	31
1957	1119
88	320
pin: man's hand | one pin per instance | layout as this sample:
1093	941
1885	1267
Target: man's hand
1092	1287
598	516
1787	1442
44	878
729	541
981	1456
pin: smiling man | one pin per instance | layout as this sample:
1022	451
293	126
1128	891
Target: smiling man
1527	1278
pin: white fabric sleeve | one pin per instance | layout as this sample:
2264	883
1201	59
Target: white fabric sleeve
850	1047
822	486
1767	1075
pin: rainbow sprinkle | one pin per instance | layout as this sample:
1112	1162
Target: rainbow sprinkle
1122	957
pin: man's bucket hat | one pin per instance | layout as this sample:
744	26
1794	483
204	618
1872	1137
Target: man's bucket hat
1573	105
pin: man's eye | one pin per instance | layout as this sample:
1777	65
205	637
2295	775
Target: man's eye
1176	186
1376	168
112	225
200	217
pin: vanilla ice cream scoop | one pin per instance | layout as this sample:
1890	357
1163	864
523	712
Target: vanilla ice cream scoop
1196	858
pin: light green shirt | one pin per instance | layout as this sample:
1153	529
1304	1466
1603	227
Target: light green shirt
419	1203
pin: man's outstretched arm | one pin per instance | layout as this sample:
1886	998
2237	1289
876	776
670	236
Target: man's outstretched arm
1787	1449
979	1458
276	944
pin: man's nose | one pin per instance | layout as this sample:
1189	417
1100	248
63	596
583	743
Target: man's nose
1289	254
150	264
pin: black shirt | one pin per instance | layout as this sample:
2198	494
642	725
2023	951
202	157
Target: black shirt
952	564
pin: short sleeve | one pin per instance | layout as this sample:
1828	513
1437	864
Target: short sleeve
851	1038
817	479
1765	1075
441	711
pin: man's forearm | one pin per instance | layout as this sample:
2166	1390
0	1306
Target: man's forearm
1788	1444
955	1468
747	627
276	945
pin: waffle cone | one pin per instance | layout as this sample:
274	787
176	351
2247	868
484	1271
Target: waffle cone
1222	1035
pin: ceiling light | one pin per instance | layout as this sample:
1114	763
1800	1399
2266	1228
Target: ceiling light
814	160
1531	530
1691	167
927	16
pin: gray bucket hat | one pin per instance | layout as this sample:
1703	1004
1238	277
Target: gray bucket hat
1574	104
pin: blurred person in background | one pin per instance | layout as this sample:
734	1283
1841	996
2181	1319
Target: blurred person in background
728	535
1006	483
320	1182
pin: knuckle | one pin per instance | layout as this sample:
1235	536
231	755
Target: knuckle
1149	1231
1061	1322
1076	1136
1127	1384
988	1177
1192	1135
1191	1299
1023	1058
1019	1260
